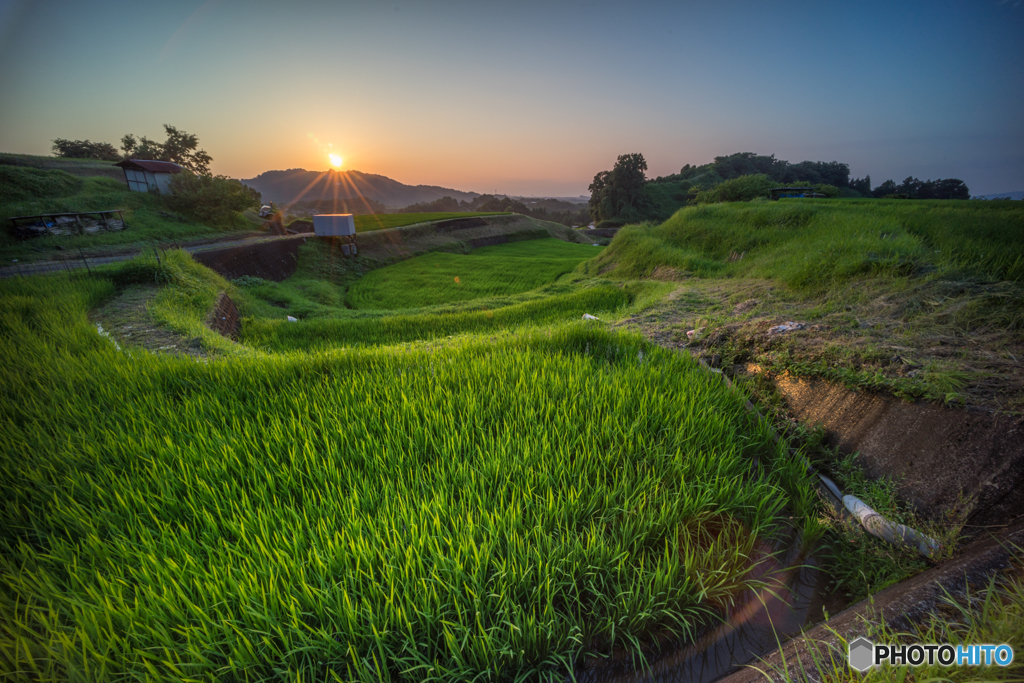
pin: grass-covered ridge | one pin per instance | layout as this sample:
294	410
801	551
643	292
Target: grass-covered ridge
920	299
424	512
489	271
280	335
814	244
27	191
382	221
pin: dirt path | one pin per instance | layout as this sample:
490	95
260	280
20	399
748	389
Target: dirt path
126	321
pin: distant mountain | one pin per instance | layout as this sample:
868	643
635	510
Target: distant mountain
1005	195
297	184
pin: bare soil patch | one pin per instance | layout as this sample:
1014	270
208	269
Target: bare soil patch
225	319
126	320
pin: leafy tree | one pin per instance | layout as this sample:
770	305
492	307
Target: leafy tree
616	194
85	149
214	200
180	148
910	187
886	188
749	163
949	188
862	185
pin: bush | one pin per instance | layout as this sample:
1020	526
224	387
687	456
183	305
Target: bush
215	200
741	189
85	149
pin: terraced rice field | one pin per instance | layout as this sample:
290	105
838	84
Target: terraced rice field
439	278
493	506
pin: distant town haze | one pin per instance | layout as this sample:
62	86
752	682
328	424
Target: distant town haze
528	98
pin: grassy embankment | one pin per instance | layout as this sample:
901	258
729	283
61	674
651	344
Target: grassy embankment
382	221
922	299
501	504
26	191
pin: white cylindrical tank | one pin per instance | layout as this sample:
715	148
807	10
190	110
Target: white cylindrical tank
334	224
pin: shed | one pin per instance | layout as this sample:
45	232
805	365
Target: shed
334	225
144	175
341	227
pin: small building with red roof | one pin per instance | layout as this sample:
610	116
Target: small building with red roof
144	175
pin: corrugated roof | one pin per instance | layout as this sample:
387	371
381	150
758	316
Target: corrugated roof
149	165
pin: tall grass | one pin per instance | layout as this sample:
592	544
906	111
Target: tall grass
820	243
444	278
992	614
473	509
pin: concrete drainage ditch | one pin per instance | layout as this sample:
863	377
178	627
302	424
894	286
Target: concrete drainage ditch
943	457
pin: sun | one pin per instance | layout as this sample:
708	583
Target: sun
335	160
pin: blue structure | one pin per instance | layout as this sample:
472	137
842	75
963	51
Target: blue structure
797	192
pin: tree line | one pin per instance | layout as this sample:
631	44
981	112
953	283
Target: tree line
180	148
195	192
625	195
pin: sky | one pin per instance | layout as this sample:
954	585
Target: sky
528	98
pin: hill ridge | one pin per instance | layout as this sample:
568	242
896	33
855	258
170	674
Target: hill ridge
296	184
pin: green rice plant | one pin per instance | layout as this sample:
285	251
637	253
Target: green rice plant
279	335
483	507
442	278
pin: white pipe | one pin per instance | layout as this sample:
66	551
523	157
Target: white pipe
882	528
874	523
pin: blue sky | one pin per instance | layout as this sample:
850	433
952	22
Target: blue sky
528	97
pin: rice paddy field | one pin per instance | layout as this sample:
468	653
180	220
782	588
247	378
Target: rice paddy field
445	278
439	494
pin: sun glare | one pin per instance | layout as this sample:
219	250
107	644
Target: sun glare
335	160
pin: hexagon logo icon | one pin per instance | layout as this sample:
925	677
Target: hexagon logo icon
862	654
